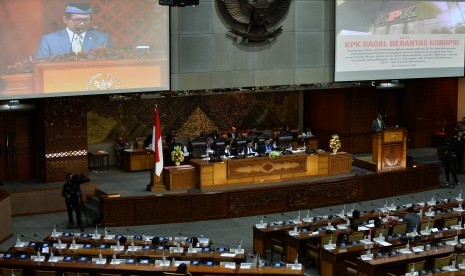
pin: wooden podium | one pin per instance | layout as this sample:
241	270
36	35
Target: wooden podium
390	149
87	76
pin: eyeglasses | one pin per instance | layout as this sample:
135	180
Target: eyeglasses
80	20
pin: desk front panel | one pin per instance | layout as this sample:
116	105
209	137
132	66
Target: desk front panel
138	160
259	169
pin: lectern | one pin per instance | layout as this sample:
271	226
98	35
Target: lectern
390	149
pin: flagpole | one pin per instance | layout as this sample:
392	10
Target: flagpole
156	183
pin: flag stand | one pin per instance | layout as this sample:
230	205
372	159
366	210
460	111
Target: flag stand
156	174
156	183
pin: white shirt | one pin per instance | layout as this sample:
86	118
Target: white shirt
72	35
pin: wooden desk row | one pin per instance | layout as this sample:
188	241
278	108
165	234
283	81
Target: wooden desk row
295	244
93	268
332	260
106	253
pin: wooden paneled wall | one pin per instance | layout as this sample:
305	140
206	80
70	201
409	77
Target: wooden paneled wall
65	137
423	107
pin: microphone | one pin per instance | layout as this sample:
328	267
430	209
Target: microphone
286	216
374	208
401	201
290	220
191	239
136	236
30	239
332	212
220	247
318	213
440	198
268	217
414	198
362	205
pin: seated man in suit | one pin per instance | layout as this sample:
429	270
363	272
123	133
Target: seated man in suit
378	124
78	36
248	149
228	151
266	147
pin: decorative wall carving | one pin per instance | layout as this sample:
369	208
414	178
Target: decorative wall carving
300	198
244	202
65	137
110	119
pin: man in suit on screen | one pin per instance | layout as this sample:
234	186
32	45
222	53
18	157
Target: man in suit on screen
77	37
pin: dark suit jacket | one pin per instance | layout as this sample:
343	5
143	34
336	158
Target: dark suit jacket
58	43
262	148
244	150
375	126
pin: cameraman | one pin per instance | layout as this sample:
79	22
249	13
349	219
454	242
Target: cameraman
72	193
451	161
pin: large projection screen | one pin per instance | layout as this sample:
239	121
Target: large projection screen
125	48
389	39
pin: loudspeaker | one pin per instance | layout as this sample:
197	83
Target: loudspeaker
178	3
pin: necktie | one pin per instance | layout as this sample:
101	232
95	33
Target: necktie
379	123
77	44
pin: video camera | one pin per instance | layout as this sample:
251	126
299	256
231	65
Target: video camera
79	179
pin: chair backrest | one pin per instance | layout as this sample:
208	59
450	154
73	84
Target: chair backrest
417	266
76	274
383	230
441	262
45	273
198	148
356	236
174	274
325	240
9	271
450	221
140	142
459	258
424	224
399	228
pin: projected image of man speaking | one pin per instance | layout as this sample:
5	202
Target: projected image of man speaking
77	37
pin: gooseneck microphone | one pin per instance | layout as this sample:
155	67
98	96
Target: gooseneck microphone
268	217
364	207
401	201
318	213
286	216
416	200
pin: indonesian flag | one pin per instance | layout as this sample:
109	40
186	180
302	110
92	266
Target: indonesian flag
157	146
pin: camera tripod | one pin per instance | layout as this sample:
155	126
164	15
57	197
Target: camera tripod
83	209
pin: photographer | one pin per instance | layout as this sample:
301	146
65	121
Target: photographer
72	194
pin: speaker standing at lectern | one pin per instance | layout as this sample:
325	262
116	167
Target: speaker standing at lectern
378	124
78	36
